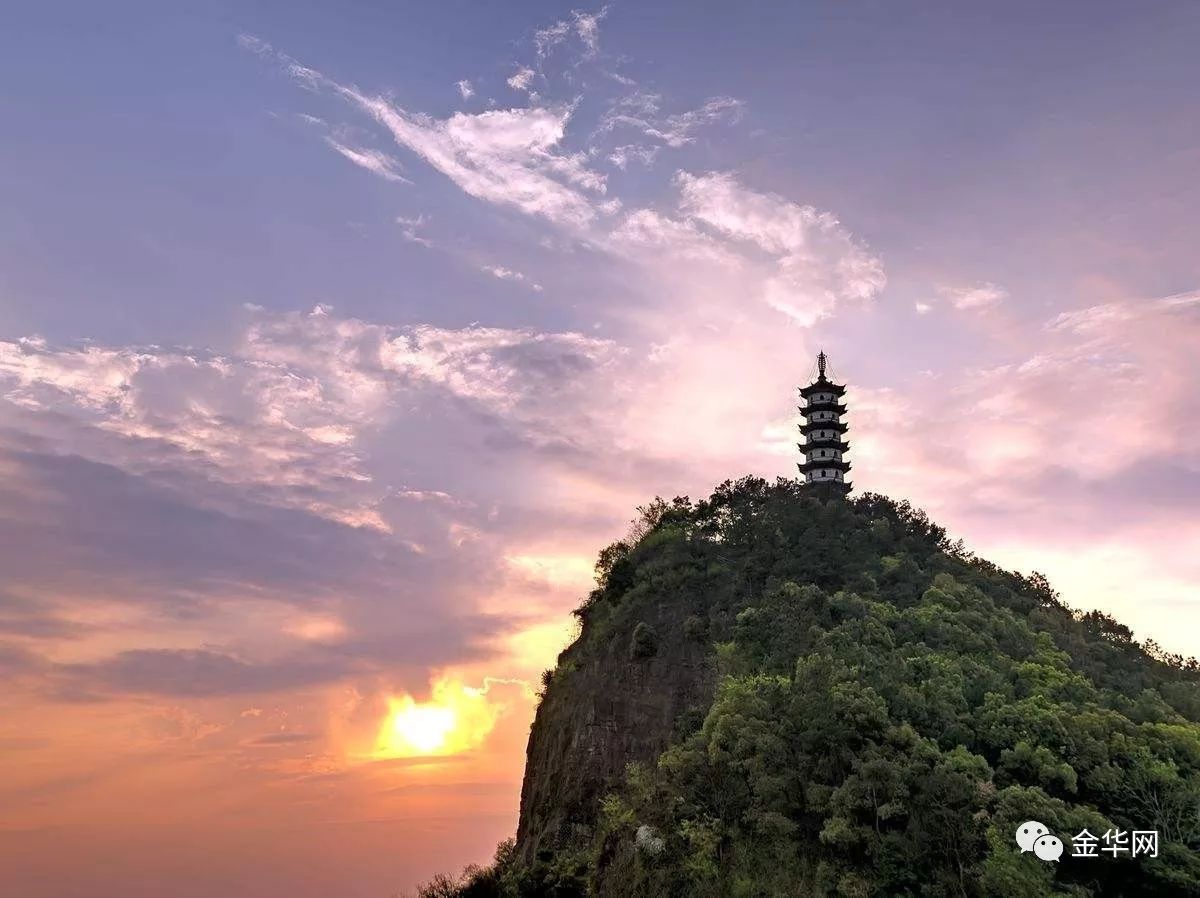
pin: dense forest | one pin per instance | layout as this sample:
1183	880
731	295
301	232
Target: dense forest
874	713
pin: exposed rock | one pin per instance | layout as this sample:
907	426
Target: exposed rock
604	708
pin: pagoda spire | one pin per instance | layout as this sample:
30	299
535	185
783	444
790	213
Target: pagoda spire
824	446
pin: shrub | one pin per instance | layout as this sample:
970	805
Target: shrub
644	643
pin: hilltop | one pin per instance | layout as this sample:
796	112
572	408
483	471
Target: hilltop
772	695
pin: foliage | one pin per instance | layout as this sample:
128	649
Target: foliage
644	642
890	709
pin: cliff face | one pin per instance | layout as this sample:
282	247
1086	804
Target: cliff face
613	699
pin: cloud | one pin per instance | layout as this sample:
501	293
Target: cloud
1181	300
240	598
818	263
640	111
1096	320
501	369
92	377
587	26
239	523
516	158
521	79
979	296
289	413
508	274
465	90
35	618
623	155
546	39
680	238
17	660
310	79
373	161
1003	430
507	157
522	375
255	45
409	229
285	738
196	672
245	421
162	529
583	25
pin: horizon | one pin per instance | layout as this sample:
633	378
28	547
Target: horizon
336	343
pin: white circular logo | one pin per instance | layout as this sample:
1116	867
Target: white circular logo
1028	833
1048	848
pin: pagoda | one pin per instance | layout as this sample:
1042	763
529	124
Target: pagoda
824	447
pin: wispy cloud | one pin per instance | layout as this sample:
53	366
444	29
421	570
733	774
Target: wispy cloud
516	158
508	274
641	112
522	79
256	45
587	26
508	157
583	25
818	262
975	297
676	238
373	161
623	155
546	39
410	229
465	90
1005	423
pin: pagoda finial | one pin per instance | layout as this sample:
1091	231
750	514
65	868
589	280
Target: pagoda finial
821	360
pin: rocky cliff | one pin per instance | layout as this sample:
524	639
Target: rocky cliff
616	696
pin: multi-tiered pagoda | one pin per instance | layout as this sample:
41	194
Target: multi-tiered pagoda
824	447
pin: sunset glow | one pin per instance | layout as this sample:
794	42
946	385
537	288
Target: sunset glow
456	718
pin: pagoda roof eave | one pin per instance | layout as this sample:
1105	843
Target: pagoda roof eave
837	426
823	386
823	463
824	444
813	407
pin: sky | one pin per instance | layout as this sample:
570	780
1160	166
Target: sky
336	339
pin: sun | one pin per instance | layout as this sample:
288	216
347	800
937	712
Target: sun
422	727
456	718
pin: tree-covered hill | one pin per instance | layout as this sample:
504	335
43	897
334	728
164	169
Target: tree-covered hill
775	696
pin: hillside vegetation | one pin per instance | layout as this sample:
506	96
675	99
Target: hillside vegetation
775	696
